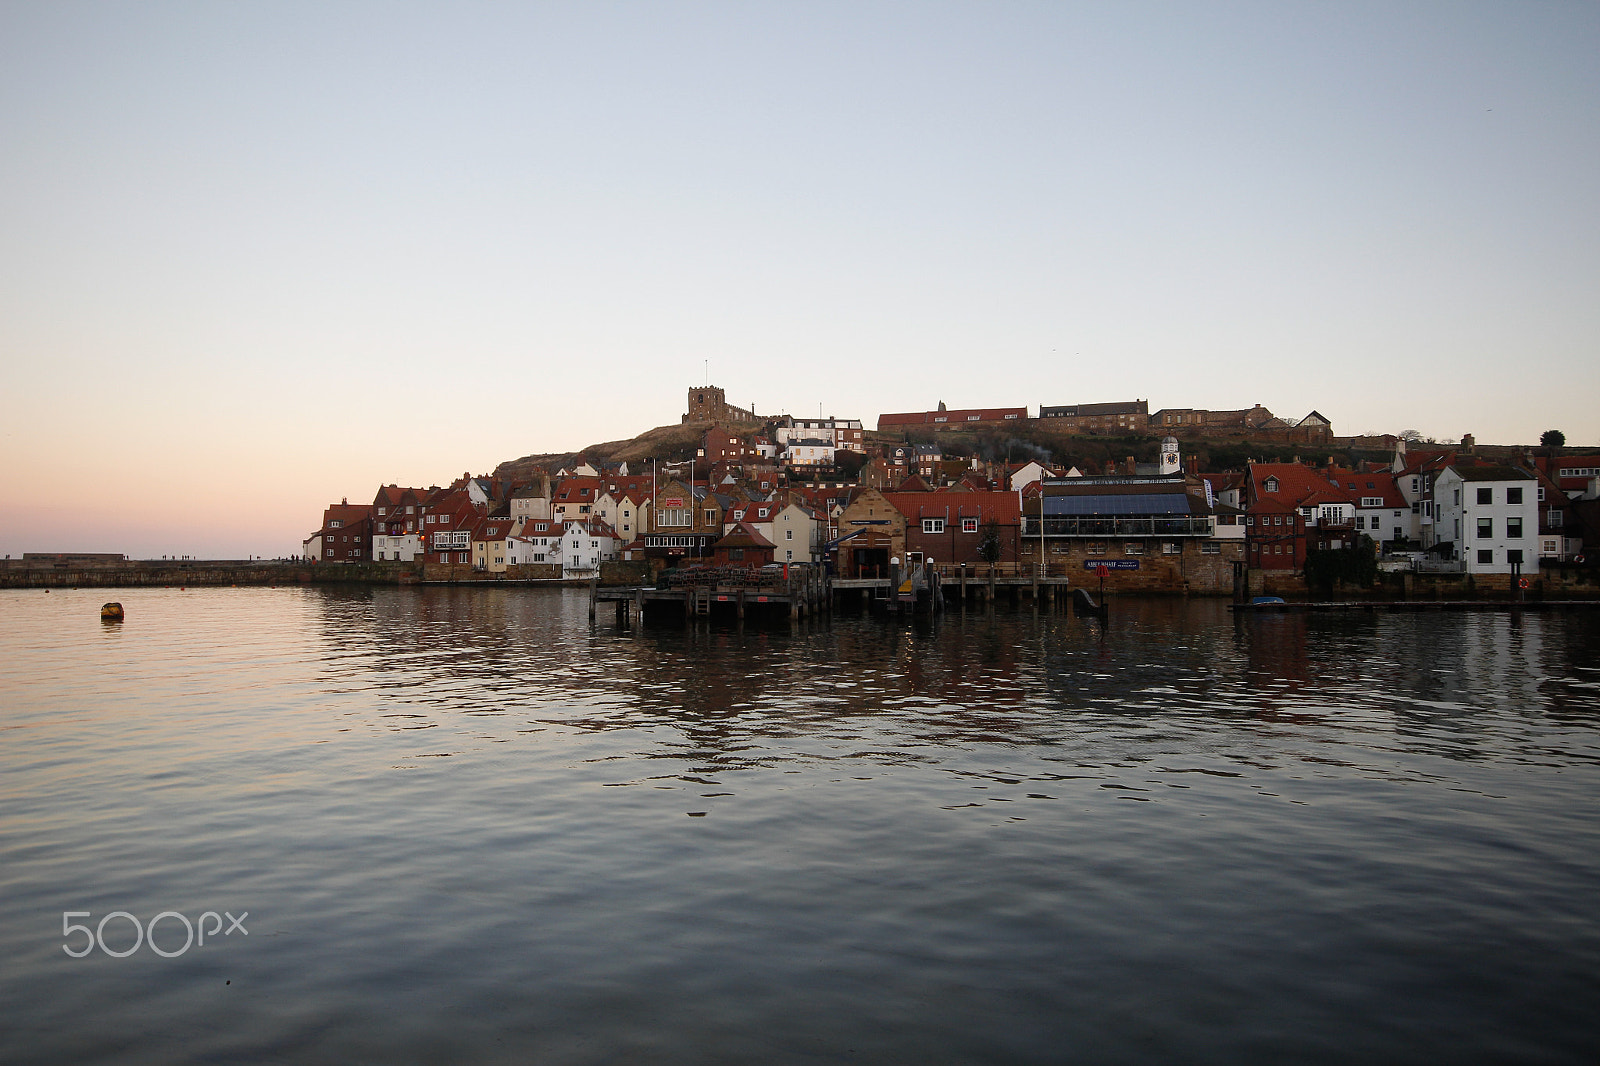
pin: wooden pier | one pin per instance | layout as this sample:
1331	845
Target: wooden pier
704	592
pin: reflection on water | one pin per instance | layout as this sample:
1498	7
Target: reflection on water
471	826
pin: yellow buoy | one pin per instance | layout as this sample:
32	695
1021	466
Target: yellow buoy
111	612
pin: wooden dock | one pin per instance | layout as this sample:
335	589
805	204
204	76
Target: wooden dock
709	591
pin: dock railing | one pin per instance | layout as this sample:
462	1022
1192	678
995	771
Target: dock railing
981	571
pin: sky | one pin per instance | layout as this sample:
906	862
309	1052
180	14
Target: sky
259	257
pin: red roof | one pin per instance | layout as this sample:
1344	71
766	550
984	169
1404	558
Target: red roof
954	418
1002	508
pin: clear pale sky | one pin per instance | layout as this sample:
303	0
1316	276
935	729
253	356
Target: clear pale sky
256	257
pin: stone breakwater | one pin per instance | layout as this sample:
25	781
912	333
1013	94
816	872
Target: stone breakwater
161	573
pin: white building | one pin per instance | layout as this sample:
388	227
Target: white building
397	547
1490	514
585	545
809	453
534	540
845	433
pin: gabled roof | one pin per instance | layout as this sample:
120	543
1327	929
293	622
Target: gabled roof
997	506
1492	473
1367	484
742	536
1290	485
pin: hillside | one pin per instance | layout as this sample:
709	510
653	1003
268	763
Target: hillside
1018	442
675	443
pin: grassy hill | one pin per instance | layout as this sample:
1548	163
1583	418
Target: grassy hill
669	444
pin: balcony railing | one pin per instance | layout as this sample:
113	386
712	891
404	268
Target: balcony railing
1093	526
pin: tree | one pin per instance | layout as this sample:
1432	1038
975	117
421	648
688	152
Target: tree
989	546
1551	439
849	463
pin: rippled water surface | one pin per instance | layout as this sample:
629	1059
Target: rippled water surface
468	827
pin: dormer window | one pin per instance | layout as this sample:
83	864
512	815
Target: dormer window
1270	485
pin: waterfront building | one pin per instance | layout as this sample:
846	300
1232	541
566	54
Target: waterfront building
533	540
1488	516
683	523
1380	508
345	535
742	546
447	525
1152	532
490	543
950	528
869	532
585	544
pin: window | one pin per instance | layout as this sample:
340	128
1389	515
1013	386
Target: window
1555	518
1514	555
1486	555
1486	495
933	525
1097	547
1372	501
788	534
1514	529
1514	495
1361	523
1133	547
1210	548
1485	528
969	525
1171	547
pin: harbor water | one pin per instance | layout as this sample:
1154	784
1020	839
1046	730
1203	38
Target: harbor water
464	825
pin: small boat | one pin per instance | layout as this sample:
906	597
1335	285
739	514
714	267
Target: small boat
1266	599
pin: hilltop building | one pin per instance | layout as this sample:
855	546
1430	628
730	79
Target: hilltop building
708	403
